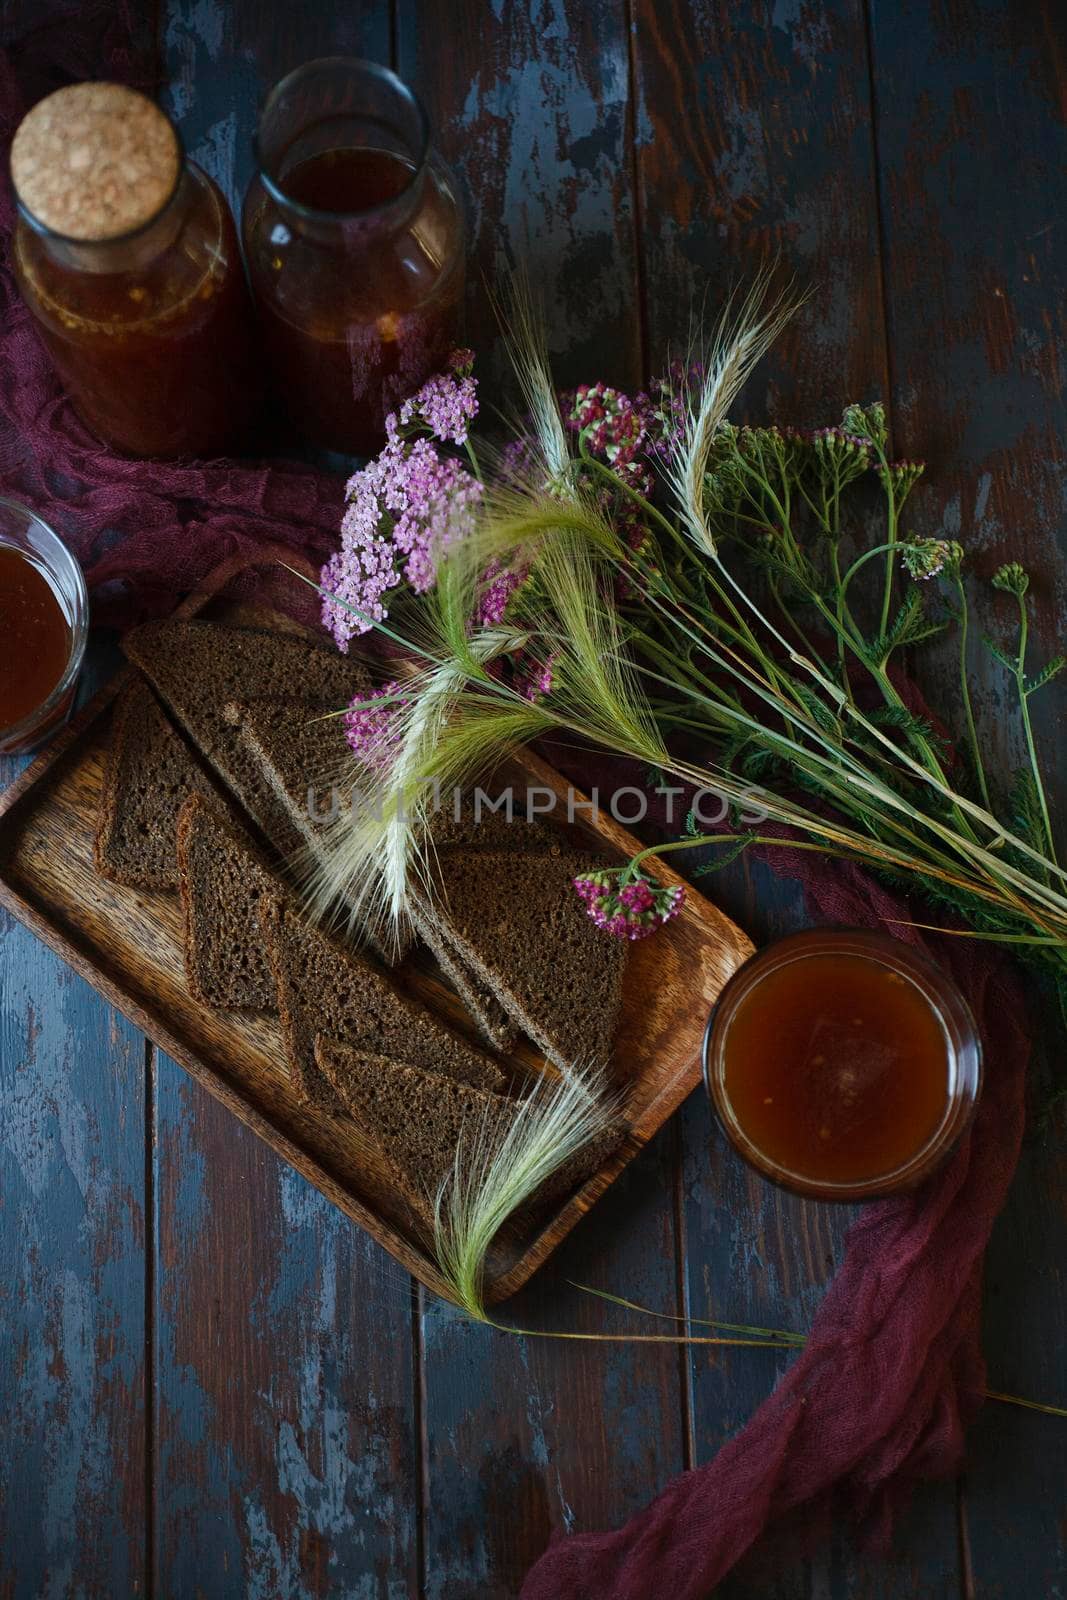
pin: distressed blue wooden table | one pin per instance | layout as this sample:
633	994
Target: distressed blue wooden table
211	1383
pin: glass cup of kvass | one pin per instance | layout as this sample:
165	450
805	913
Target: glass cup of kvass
842	1064
44	623
354	241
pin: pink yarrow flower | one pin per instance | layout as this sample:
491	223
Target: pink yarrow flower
371	730
433	500
615	429
498	584
534	678
446	404
632	909
404	508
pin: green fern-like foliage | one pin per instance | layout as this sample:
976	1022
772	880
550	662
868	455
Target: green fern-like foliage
910	626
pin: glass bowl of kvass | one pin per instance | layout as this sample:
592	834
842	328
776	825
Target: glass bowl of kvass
842	1064
44	623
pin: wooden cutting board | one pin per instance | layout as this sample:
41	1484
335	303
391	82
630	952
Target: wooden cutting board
127	944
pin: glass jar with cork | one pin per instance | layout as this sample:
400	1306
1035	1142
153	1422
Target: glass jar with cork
128	259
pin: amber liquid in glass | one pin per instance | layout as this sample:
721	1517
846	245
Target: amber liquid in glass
36	636
349	339
159	359
344	181
837	1068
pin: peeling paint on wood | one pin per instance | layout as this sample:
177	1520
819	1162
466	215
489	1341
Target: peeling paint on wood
313	1429
72	1160
531	107
974	149
285	1438
532	1437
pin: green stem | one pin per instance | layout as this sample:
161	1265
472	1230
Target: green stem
844	621
630	1338
693	841
473	459
930	759
996	937
765	1339
1020	676
796	717
778	1334
884	682
1030	1405
790	618
845	640
965	689
821	514
740	630
781	509
781	683
686	670
613	479
891	527
868	555
958	841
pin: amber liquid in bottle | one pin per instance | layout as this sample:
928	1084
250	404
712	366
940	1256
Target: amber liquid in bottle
837	1068
36	637
158	359
348	340
345	181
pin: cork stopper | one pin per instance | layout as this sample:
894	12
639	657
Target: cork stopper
94	161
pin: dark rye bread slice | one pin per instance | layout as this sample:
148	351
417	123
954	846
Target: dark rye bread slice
225	883
324	987
197	668
416	1118
419	1120
302	754
520	925
477	825
150	773
299	749
492	1021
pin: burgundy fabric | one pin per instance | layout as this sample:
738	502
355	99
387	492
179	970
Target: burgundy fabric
892	1371
143	531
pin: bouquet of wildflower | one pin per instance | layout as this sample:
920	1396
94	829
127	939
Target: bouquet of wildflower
705	598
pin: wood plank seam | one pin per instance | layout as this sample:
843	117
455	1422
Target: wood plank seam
889	378
640	277
151	1352
421	1432
965	1563
682	1305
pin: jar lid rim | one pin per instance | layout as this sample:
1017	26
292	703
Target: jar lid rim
316	214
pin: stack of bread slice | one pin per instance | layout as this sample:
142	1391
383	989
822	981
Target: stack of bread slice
193	671
216	743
